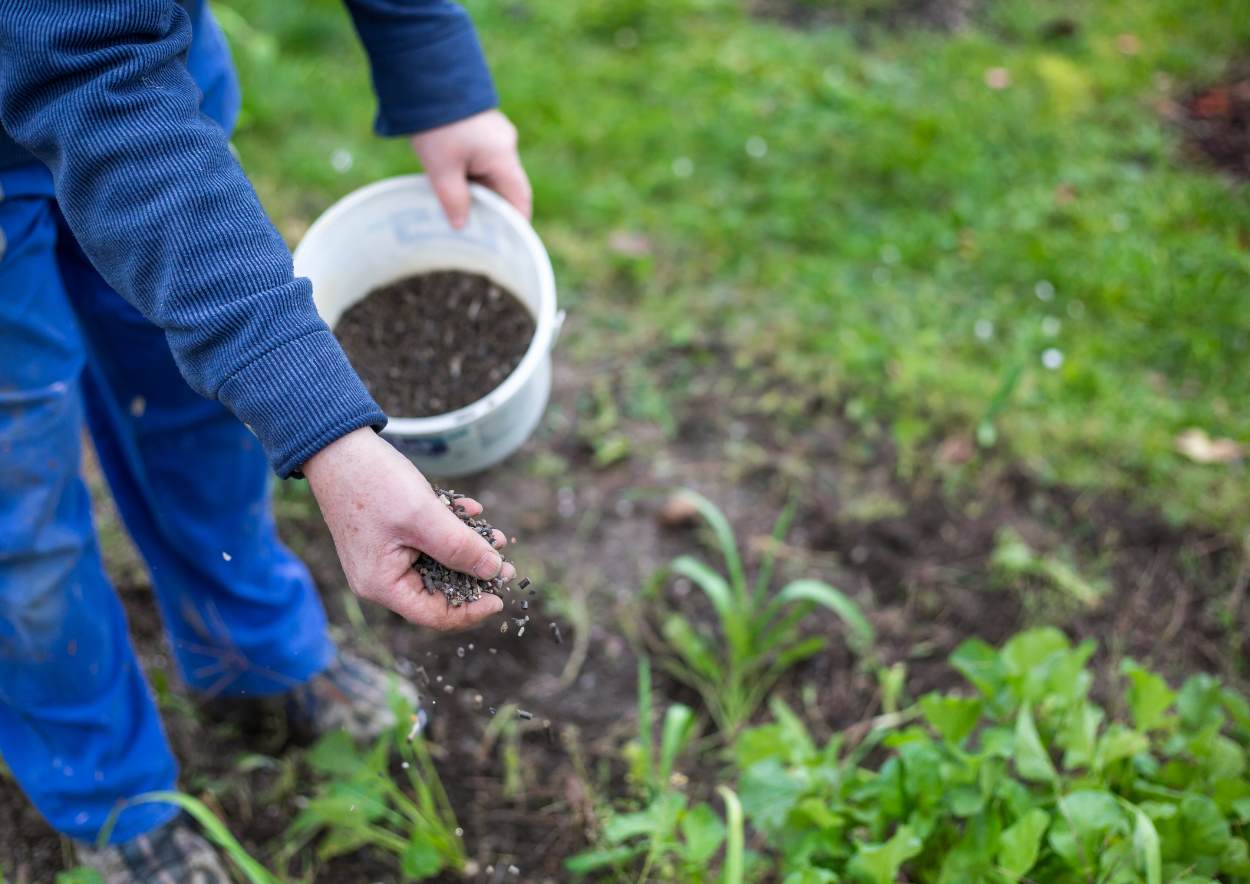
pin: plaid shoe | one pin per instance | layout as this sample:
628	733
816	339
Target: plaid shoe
351	694
172	854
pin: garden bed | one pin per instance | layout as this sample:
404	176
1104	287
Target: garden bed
922	556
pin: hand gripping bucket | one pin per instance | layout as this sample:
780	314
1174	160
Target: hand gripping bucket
396	228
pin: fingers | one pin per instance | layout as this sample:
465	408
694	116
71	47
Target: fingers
452	189
470	506
450	541
410	600
508	179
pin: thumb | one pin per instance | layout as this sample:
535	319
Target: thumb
453	543
452	189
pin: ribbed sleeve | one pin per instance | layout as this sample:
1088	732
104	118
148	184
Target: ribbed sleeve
428	68
99	92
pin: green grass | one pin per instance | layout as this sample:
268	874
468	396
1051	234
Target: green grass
856	207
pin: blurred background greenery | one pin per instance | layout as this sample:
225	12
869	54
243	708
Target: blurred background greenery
991	231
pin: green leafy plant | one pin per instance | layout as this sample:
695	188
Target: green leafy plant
359	804
755	636
1024	779
675	840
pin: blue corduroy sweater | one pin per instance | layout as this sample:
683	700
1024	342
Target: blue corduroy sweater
102	94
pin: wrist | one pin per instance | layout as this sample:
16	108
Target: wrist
332	458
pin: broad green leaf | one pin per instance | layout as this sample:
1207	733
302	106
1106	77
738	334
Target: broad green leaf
1021	842
793	730
1204	830
1236	859
1082	823
1119	743
880	863
1032	760
1028	658
734	868
768	792
859	632
1149	696
420	859
703	832
657	820
951	716
1079	735
593	860
980	664
1146	845
1198	702
336	755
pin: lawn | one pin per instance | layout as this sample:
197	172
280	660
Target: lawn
859	208
922	315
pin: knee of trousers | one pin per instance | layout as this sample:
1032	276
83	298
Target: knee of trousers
49	567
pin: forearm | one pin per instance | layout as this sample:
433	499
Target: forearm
428	68
99	93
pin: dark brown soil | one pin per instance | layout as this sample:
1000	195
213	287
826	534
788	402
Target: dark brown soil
435	342
1217	122
890	15
915	552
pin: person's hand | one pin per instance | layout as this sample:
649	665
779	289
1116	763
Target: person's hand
479	148
382	513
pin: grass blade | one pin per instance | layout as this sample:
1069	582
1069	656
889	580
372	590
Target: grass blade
780	529
213	827
735	838
644	719
724	536
860	634
674	735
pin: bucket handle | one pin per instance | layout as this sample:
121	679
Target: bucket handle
555	331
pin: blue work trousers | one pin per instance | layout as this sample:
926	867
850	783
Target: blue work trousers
78	727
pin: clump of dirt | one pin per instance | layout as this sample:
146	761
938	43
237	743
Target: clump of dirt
890	15
458	587
1217	122
435	342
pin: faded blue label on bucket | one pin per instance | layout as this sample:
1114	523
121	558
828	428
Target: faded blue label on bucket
432	446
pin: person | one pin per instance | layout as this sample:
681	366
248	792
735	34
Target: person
144	292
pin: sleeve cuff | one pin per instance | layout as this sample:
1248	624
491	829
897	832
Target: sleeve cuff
300	397
428	86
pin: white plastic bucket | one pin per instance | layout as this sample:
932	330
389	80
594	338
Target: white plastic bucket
396	228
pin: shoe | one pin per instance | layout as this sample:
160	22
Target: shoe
351	694
175	852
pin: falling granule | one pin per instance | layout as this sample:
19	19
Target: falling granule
492	710
525	605
520	632
226	556
525	715
555	633
470	646
404	765
459	832
513	870
415	729
460	652
524	584
447	689
503	628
